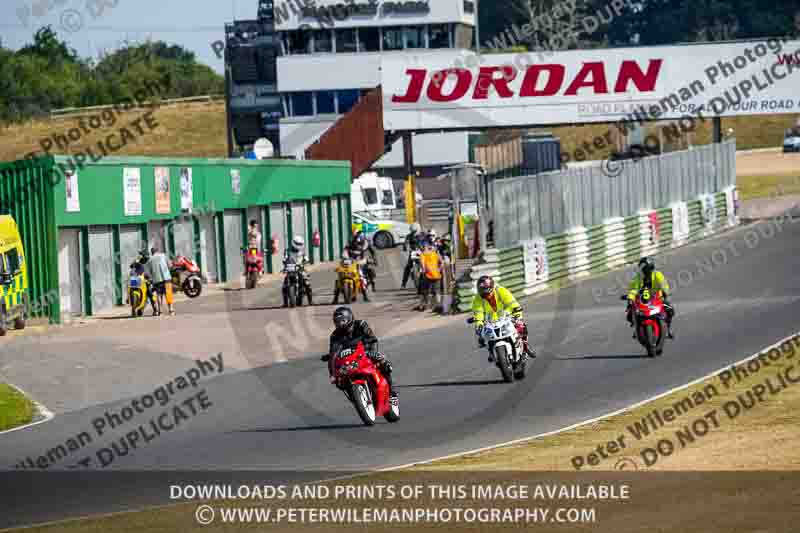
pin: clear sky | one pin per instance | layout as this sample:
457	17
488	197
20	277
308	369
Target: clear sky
92	26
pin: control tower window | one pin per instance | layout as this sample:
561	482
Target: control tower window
393	38
299	42
415	36
323	41
346	41
369	39
439	36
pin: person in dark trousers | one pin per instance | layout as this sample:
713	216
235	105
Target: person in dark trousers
348	331
413	243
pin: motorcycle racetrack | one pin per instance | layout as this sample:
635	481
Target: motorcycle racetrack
733	294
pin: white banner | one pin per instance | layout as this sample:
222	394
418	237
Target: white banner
709	210
680	223
71	186
132	185
453	89
186	188
730	205
536	266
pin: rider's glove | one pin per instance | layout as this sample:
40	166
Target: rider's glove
325	358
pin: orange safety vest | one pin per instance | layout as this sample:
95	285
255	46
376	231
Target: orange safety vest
430	263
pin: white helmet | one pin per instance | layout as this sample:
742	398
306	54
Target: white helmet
415	227
298	241
432	234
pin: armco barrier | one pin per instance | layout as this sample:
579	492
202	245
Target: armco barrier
581	252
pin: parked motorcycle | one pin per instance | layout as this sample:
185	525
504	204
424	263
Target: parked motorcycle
363	384
296	284
505	346
253	265
649	319
186	276
138	289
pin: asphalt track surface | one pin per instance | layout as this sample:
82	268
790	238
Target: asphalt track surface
287	418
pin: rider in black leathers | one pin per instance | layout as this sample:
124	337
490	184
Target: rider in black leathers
347	333
412	243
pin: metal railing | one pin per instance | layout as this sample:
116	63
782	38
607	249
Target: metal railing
69	112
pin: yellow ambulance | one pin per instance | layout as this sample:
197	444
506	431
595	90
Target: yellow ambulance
13	276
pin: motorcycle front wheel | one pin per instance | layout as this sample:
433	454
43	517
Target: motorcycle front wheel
650	340
291	294
362	399
501	357
192	287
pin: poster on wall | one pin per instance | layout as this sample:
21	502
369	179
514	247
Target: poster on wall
655	227
162	190
709	210
71	185
186	188
535	256
680	222
235	182
132	184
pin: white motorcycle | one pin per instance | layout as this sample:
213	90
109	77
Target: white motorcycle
505	346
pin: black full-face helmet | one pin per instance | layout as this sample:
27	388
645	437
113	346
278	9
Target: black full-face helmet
647	265
343	318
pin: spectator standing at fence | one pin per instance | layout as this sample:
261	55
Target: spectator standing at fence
162	279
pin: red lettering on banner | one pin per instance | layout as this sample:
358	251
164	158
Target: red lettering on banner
487	78
592	76
630	71
414	86
598	79
555	79
463	83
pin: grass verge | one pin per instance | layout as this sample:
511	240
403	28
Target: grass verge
768	186
15	408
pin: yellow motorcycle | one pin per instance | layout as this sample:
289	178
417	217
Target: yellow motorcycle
348	283
138	289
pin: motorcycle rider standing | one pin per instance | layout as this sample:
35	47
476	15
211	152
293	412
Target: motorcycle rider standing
491	300
413	243
297	255
649	277
348	331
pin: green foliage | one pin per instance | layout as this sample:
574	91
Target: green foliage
47	74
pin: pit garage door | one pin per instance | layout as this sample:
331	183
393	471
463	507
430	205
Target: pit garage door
70	280
101	268
208	249
233	244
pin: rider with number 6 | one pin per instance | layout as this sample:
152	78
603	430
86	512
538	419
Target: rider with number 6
650	278
489	303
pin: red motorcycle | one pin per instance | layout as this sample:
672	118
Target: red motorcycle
649	316
186	276
357	376
253	266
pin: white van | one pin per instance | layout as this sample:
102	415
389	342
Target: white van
373	195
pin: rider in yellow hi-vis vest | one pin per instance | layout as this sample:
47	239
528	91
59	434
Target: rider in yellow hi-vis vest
490	302
651	278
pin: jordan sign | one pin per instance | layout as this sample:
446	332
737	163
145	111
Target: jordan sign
455	89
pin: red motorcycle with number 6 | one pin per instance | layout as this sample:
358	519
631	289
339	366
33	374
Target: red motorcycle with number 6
357	376
649	318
